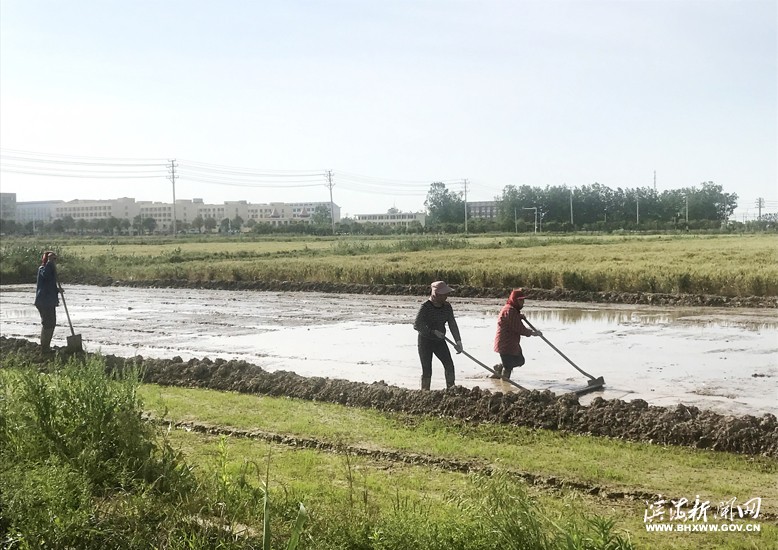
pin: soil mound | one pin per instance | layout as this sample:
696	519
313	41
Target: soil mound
634	421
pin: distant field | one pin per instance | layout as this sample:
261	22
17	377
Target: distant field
728	265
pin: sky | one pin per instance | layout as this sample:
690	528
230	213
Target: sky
271	100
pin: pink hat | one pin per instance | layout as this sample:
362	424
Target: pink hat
440	287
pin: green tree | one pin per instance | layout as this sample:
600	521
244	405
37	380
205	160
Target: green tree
112	225
68	223
321	215
511	206
149	224
198	223
210	224
444	206
7	227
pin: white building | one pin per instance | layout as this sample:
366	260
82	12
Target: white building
482	209
393	218
186	210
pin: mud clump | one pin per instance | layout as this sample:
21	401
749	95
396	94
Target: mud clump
633	421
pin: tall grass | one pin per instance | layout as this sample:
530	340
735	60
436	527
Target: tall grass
81	468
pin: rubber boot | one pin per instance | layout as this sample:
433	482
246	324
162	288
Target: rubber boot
425	383
449	377
506	374
46	335
497	372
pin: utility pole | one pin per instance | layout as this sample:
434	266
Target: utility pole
637	208
687	207
332	204
515	222
654	181
465	206
535	208
760	205
173	181
571	207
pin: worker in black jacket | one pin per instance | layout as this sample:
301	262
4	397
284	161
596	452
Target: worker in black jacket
431	325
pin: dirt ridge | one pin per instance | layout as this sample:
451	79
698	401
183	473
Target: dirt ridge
633	421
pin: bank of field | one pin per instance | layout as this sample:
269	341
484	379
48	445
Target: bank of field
727	265
502	450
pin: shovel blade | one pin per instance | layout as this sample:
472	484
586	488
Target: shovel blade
74	343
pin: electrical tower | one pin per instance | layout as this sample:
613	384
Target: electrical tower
760	205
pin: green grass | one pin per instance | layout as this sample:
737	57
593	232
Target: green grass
616	465
672	471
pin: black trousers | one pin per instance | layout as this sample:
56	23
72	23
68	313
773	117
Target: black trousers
438	347
509	362
48	316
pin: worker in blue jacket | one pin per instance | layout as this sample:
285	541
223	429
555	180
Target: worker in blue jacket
47	297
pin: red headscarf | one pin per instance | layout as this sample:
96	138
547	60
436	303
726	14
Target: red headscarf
516	295
45	257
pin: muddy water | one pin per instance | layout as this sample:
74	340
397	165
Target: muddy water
720	359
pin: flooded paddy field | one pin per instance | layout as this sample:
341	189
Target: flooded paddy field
719	359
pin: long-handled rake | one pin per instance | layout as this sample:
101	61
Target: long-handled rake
484	366
593	383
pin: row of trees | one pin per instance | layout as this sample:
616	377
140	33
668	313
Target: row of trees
587	206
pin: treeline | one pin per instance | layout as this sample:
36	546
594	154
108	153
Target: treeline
553	209
590	208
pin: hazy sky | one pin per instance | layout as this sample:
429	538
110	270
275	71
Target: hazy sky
257	98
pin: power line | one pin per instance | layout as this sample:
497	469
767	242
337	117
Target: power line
85	176
182	175
53	155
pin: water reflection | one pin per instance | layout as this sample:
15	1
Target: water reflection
572	315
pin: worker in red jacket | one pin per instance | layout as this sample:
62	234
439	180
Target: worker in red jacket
510	329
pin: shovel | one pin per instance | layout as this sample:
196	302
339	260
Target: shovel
593	383
484	366
74	340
